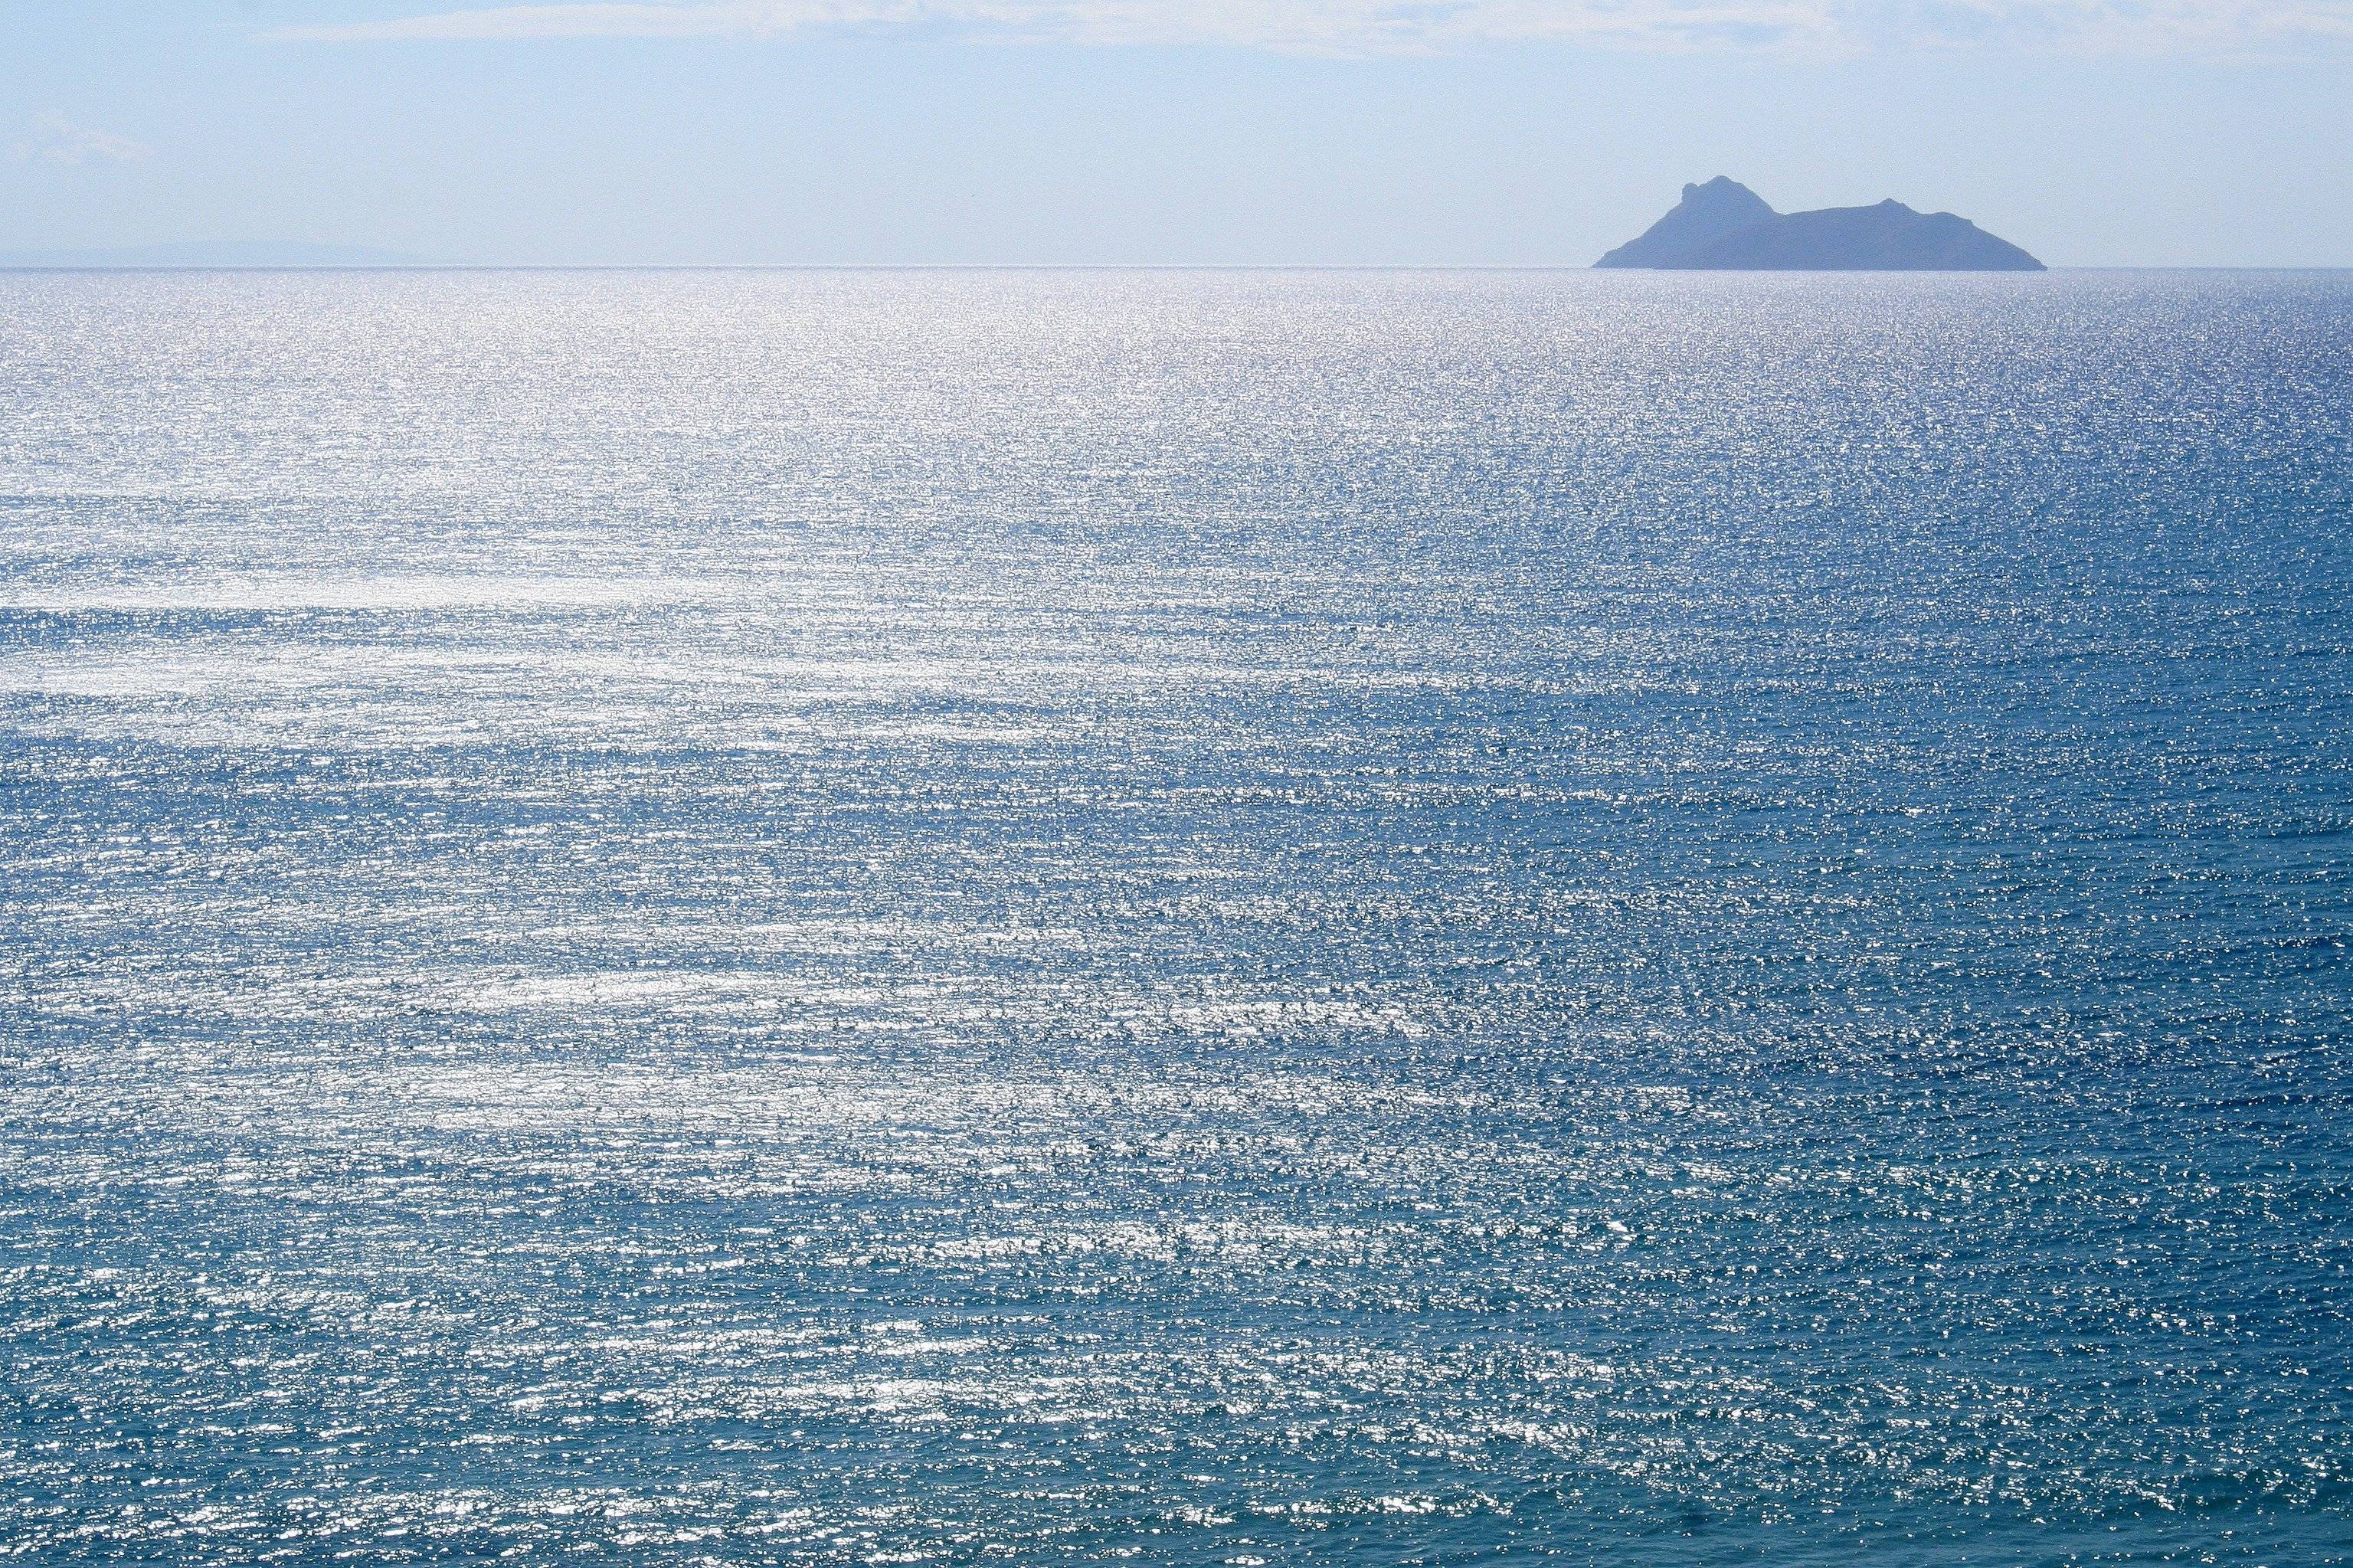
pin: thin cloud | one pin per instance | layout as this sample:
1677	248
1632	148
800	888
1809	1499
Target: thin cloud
1381	26
57	141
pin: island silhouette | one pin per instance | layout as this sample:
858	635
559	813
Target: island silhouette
1724	225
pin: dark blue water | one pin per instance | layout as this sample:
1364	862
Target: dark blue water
945	917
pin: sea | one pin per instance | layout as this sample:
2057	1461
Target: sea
1176	917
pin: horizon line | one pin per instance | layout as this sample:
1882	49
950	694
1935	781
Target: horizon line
7	266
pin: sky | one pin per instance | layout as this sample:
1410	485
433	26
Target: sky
1516	132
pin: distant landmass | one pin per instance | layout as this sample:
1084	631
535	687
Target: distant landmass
1724	225
229	253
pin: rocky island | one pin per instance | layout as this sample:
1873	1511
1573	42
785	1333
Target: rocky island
1724	225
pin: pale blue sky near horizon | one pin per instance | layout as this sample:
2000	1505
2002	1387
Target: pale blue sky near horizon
2154	132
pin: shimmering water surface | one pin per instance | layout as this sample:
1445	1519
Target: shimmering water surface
939	917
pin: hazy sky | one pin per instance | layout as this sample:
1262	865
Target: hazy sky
2092	132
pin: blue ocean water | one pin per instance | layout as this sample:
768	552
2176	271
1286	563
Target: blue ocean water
1177	919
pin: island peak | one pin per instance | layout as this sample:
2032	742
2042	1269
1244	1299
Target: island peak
1723	226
